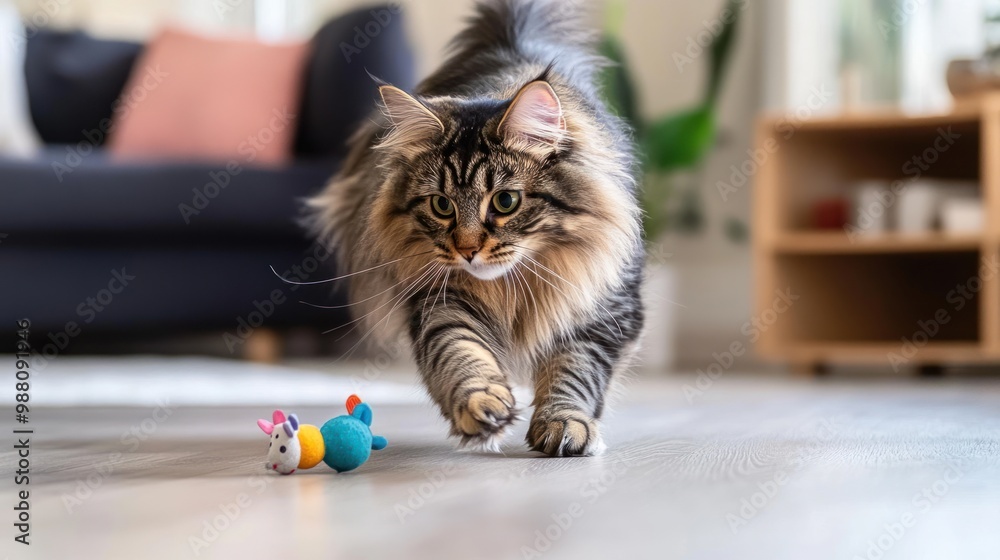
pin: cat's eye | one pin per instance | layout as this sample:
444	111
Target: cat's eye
506	202
442	206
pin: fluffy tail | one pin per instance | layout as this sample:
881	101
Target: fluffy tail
515	24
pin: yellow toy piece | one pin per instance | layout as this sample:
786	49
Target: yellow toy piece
312	444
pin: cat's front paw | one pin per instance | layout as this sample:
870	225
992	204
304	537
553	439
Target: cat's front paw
565	433
481	413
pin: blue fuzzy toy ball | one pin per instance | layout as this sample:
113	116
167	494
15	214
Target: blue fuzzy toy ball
349	440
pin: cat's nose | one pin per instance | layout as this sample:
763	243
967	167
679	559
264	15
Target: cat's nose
468	253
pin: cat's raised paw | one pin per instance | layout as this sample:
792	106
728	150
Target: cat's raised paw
565	433
481	413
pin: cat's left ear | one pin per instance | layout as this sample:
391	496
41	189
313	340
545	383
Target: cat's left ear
413	124
534	121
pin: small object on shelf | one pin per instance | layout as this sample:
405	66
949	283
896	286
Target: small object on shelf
962	215
917	207
871	211
830	213
968	79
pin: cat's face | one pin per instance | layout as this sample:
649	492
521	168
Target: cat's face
481	189
481	207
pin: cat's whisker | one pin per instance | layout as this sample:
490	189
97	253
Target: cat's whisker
540	277
364	337
556	274
353	321
369	298
391	301
516	283
527	289
376	267
438	276
444	288
415	287
506	291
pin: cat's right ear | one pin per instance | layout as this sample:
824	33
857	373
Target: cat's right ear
413	125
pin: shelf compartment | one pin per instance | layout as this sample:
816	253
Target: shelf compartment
876	298
822	160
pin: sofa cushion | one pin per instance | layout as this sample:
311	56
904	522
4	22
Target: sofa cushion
211	99
61	192
339	90
73	82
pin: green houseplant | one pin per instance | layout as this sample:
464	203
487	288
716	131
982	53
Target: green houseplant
673	147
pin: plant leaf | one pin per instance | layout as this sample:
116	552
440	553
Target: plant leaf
722	48
617	84
680	140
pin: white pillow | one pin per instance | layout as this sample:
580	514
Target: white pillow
17	133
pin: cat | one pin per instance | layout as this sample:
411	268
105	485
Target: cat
491	217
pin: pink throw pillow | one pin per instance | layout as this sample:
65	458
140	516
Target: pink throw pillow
195	98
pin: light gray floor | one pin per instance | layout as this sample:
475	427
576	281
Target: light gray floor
755	467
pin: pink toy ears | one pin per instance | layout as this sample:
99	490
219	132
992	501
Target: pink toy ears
277	417
266	426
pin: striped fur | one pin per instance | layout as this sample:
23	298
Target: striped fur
548	292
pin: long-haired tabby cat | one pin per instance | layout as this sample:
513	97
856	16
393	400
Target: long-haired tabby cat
491	216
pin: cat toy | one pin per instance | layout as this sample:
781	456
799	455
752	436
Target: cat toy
344	443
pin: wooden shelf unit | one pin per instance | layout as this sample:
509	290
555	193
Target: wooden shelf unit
866	300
